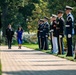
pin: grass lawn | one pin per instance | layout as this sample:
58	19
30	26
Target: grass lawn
35	46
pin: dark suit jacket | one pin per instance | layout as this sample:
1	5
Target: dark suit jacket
9	33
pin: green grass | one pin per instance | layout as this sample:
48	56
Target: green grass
35	46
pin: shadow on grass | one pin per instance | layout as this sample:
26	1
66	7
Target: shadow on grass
41	72
61	55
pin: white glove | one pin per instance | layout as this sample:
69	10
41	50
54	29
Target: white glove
46	36
60	36
69	35
52	30
67	25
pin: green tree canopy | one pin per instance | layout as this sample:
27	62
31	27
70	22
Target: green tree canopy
27	12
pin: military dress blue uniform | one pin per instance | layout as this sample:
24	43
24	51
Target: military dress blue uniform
51	36
40	35
69	33
46	34
60	35
54	37
60	32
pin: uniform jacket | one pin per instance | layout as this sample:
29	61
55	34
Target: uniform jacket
70	24
40	30
9	33
60	26
39	25
46	28
53	28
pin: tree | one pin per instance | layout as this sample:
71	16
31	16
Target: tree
9	9
17	12
27	11
39	12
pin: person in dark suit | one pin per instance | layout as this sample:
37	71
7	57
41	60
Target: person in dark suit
9	35
60	31
69	30
54	34
40	34
46	33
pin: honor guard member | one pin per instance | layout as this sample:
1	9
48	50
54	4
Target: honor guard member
51	21
40	33
60	31
69	30
54	34
46	33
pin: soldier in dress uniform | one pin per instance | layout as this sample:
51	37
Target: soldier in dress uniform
40	33
54	34
50	31
69	30
46	33
60	31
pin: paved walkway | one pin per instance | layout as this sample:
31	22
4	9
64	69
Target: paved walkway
30	62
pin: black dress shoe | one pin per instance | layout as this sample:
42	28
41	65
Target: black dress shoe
9	48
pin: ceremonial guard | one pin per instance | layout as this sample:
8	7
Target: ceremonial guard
40	34
9	35
60	31
54	34
51	32
69	30
46	33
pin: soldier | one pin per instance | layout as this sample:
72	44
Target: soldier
9	35
46	33
60	31
51	33
54	34
40	33
69	30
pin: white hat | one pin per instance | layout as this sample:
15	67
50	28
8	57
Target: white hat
53	15
68	7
